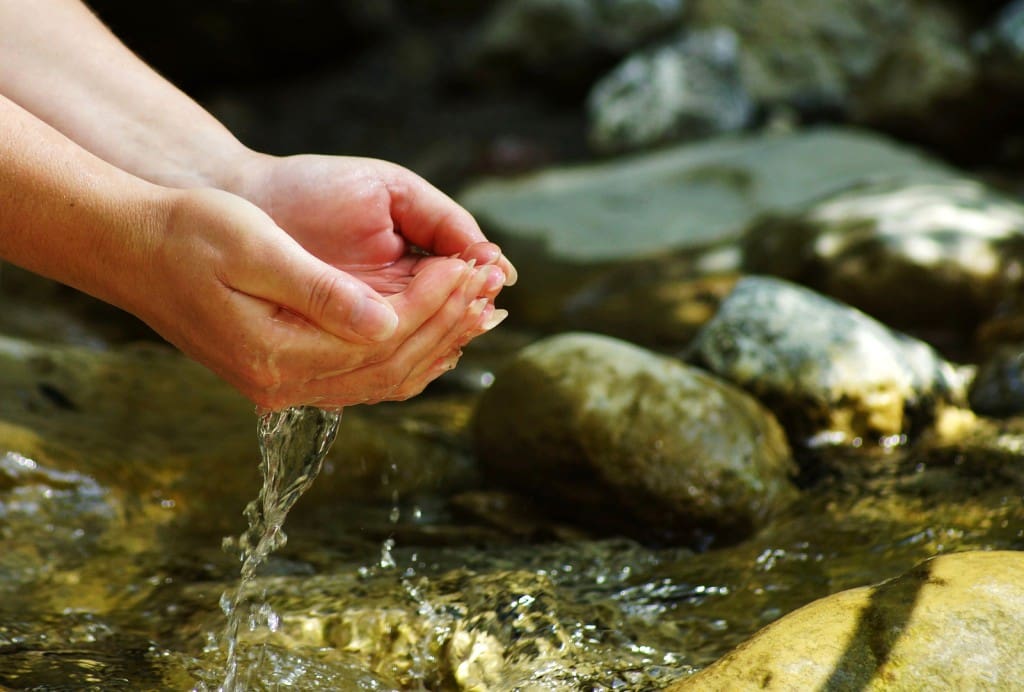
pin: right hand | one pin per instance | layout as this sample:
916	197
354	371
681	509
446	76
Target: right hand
235	292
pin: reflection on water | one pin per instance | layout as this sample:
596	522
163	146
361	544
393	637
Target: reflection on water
293	444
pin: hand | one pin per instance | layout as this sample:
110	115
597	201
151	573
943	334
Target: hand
230	288
364	215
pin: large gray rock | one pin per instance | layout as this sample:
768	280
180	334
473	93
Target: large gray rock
830	372
876	60
935	255
684	197
953	623
684	89
614	436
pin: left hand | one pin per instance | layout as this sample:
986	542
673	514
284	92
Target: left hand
375	220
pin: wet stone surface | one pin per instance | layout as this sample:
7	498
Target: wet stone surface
829	371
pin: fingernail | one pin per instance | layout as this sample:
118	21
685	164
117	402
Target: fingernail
512	276
477	306
495	279
374	319
494	319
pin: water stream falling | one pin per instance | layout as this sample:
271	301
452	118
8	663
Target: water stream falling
293	444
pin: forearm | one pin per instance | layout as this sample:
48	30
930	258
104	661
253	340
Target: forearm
60	63
67	214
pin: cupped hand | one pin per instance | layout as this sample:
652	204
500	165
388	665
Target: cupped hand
279	316
364	215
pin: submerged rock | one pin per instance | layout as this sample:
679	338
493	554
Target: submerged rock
830	372
148	426
616	437
953	622
681	90
925	255
512	619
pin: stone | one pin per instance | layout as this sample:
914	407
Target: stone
687	196
145	425
681	90
917	255
953	622
625	440
873	60
830	372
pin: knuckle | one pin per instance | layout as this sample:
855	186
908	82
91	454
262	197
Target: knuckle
323	292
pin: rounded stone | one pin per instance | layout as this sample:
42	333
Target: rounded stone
952	622
830	372
621	439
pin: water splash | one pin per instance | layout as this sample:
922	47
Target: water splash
293	444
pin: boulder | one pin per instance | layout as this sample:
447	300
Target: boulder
952	623
685	89
830	372
917	255
621	439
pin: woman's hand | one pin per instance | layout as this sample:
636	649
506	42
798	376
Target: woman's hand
230	288
361	214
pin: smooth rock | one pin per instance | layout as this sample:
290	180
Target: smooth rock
952	623
917	255
682	197
830	372
682	90
617	437
148	426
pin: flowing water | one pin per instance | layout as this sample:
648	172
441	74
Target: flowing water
293	444
404	569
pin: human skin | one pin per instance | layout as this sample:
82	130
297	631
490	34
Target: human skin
300	280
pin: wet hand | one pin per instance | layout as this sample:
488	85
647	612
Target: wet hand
286	325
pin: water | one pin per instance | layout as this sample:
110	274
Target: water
293	444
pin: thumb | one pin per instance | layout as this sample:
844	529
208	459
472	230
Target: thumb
326	296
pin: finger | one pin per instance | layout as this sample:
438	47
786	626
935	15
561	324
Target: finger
429	218
277	269
489	253
390	379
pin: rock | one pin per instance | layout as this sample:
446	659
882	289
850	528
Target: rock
830	372
561	225
683	197
682	90
613	436
568	42
918	255
873	60
145	425
953	622
998	387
